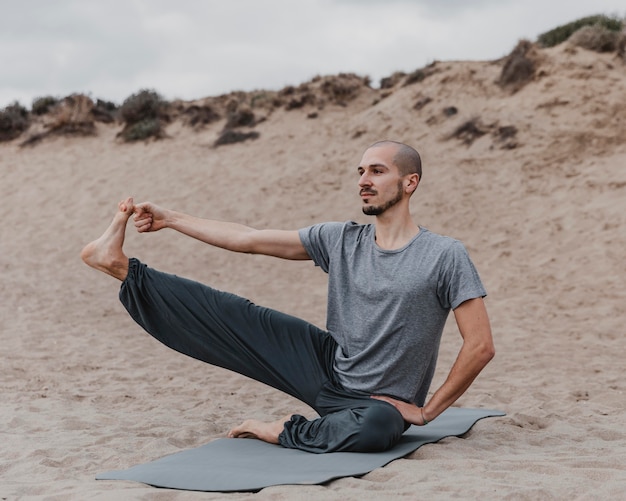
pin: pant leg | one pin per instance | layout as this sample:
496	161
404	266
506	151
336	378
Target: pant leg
350	422
228	331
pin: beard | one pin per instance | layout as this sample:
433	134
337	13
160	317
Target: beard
377	210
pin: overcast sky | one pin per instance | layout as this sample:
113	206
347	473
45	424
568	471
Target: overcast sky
190	49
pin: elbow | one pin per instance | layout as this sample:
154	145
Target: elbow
483	351
487	352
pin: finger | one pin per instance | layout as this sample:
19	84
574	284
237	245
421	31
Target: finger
143	226
142	218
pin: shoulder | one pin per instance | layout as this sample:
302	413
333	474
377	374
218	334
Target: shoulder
441	242
335	229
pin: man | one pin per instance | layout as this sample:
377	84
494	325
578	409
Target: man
391	287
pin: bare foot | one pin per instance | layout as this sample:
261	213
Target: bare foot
252	428
105	253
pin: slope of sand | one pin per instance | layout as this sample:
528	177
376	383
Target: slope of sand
542	211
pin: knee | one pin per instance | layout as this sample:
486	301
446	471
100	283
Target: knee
381	427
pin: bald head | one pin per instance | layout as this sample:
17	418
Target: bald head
405	158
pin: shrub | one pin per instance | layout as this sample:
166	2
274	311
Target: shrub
144	129
14	120
421	103
301	101
143	105
596	38
143	114
105	111
73	115
392	81
230	136
415	77
505	136
420	74
42	105
562	33
519	66
198	116
343	88
266	100
240	117
468	131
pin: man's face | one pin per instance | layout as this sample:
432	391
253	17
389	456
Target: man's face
380	184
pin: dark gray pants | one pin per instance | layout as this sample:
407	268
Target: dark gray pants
280	350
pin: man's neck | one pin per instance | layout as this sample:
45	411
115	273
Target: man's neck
394	232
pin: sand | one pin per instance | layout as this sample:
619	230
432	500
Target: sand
542	212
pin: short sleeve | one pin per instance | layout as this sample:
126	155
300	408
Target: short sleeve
318	241
458	278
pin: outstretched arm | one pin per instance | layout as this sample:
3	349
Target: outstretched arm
230	236
476	352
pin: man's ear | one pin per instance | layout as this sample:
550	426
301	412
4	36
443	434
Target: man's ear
412	182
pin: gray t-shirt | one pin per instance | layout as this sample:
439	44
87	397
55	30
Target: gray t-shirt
387	308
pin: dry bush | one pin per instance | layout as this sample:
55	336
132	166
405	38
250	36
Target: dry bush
392	81
241	116
145	104
143	114
14	120
105	111
42	105
422	102
337	89
420	74
506	137
343	88
468	131
519	66
73	116
297	97
229	136
199	116
267	100
562	33
596	38
144	129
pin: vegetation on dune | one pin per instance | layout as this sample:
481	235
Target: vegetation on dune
562	33
14	120
519	66
198	116
597	38
144	114
229	136
42	105
73	115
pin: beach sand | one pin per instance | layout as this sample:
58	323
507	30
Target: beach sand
542	211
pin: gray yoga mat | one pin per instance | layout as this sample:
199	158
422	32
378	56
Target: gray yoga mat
240	464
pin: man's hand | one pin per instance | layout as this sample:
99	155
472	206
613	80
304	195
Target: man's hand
149	217
411	413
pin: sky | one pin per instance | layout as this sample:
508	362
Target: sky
190	49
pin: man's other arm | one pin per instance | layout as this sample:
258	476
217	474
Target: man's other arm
476	352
